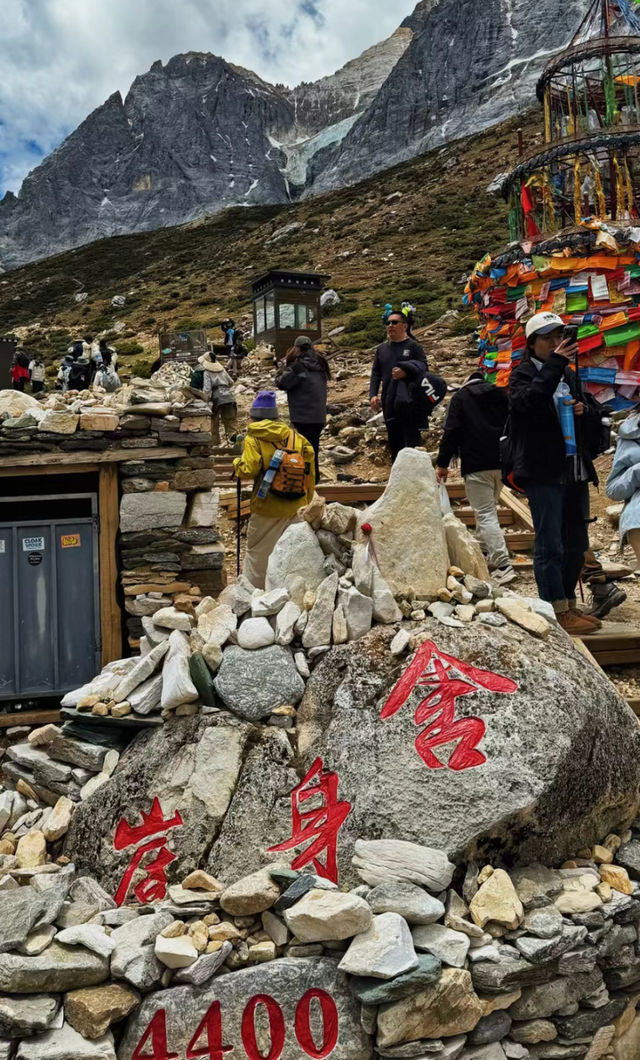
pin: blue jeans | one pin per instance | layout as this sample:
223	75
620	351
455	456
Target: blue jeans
560	516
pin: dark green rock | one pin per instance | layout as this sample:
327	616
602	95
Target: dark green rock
284	877
584	1024
202	679
294	893
379	991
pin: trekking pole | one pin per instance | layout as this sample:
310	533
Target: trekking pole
239	502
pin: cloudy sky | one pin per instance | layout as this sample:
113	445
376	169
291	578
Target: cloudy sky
59	59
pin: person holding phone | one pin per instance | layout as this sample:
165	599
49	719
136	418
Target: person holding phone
555	434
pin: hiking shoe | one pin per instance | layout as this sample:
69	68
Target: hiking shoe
576	624
605	599
503	575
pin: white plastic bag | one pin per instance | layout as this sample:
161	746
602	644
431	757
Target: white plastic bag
445	503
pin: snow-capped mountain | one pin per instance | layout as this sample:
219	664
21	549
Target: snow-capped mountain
199	134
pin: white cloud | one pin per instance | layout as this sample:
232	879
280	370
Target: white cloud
60	59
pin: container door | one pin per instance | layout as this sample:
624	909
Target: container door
7	612
35	627
76	569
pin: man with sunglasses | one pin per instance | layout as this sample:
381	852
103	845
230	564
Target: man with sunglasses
400	366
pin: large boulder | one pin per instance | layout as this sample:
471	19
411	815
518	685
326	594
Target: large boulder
275	995
296	555
550	763
407	529
192	766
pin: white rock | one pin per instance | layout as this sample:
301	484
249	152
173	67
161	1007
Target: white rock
142	670
177	952
411	902
451	947
262	606
318	628
339	631
92	936
59	819
169	618
339	518
399	643
358	612
203	509
237	596
302	666
285	622
177	686
325	915
464	550
275	928
385	609
383	951
408	534
146	697
255	633
92	785
363	568
37	940
296	554
216	626
379	860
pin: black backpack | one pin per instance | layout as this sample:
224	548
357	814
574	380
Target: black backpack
426	395
79	376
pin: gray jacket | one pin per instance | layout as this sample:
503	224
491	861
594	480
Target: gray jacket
623	483
306	385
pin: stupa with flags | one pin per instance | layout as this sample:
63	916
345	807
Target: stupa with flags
574	218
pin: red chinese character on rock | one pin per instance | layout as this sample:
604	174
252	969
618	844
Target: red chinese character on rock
317	826
445	678
154	884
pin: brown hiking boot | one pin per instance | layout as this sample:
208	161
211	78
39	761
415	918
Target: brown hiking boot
576	624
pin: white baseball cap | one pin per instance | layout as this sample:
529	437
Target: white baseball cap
542	324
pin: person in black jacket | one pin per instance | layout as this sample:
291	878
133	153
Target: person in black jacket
473	428
400	365
304	376
556	484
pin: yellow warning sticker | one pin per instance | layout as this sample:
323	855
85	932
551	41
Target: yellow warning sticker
70	541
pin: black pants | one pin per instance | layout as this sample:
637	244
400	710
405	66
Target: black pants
312	432
37	385
402	434
560	519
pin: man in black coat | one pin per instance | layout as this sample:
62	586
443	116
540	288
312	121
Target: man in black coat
473	428
400	366
556	482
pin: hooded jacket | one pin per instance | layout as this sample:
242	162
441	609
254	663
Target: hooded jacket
473	427
623	483
217	384
262	439
305	382
539	453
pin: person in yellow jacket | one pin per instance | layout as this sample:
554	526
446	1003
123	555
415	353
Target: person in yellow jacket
271	515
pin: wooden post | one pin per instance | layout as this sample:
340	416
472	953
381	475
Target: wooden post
110	613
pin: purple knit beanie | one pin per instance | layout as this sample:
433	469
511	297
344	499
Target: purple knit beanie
264	407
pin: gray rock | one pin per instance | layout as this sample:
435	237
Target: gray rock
133	958
206	966
450	947
23	910
269	603
501	977
545	999
384	860
23	1016
491	1028
286	981
78	752
383	951
149	511
59	968
538	950
523	800
629	857
585	1024
253	683
407	899
492	619
358	612
318	628
378	992
259	813
545	923
65	1043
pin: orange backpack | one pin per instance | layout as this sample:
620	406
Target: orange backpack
291	478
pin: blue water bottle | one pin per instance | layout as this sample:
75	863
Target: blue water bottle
270	474
564	405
